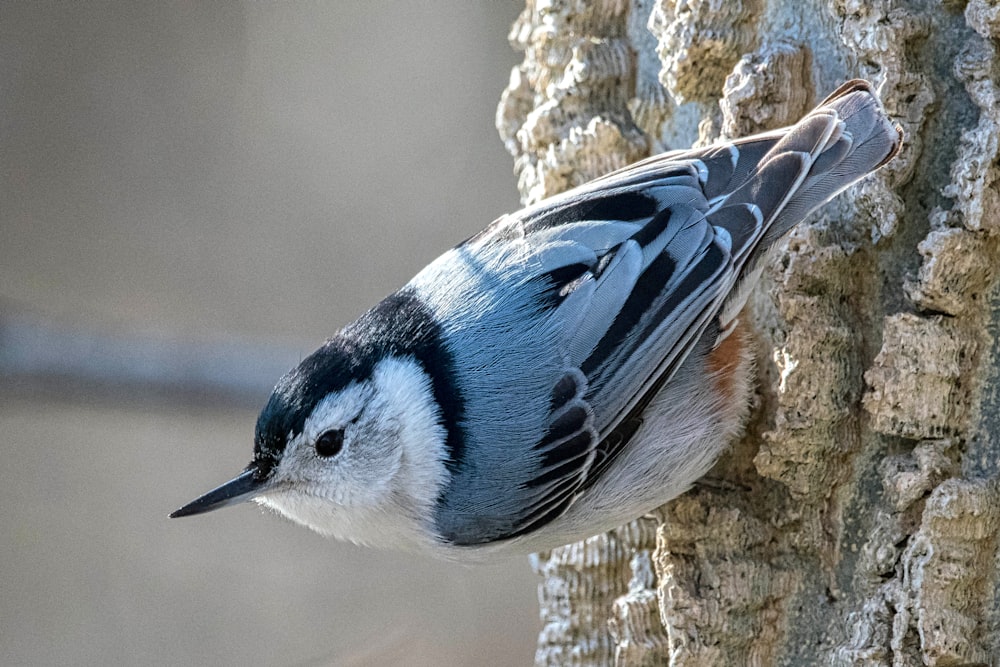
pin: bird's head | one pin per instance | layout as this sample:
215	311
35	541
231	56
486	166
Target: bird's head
345	446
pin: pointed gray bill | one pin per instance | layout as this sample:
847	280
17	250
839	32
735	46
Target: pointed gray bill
241	488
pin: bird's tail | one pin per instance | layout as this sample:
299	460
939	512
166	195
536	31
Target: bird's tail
761	186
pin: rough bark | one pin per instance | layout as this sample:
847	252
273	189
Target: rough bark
858	520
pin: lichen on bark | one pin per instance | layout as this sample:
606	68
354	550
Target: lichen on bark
856	522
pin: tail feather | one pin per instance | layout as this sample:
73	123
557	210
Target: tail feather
844	139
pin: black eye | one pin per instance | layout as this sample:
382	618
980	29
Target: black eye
330	443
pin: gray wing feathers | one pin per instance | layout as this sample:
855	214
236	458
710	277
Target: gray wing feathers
598	236
589	317
628	272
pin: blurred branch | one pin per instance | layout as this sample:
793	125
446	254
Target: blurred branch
33	349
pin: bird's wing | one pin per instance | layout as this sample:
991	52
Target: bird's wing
598	295
620	281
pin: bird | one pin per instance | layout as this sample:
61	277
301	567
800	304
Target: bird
570	368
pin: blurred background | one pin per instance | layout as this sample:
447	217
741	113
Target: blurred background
192	197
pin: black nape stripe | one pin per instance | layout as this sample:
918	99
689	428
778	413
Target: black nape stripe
401	325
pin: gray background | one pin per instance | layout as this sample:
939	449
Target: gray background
192	197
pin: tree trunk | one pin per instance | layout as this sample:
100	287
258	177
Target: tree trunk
857	520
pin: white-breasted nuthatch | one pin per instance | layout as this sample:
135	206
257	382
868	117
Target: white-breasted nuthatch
569	368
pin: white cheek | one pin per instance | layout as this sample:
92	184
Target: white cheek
408	397
354	477
357	477
336	410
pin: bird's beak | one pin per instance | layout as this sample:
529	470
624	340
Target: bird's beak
241	488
